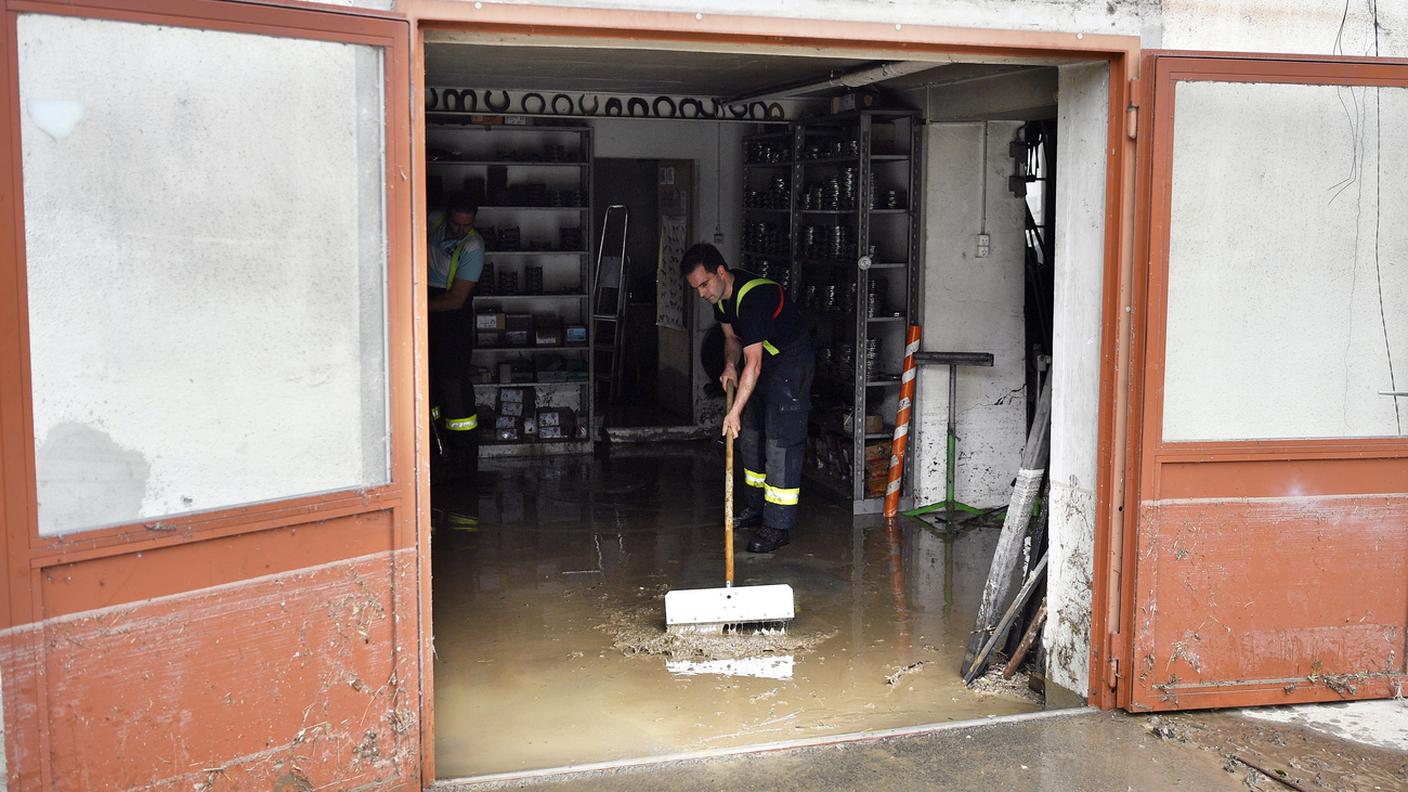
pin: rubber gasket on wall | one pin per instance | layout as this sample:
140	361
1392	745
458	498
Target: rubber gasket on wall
469	103
637	102
556	109
453	104
582	105
669	105
432	99
776	113
687	103
497	108
542	103
613	106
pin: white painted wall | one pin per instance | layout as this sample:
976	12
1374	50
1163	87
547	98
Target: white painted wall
972	304
206	265
1287	285
1075	395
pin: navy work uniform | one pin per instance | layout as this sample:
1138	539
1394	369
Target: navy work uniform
451	335
773	427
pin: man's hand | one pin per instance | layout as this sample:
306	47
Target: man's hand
731	425
730	375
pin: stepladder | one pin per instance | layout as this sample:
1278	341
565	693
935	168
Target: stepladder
609	303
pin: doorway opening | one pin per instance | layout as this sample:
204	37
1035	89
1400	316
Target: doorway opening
550	565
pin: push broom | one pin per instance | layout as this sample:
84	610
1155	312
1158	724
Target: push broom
731	608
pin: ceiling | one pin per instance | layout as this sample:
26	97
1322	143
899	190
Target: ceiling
636	71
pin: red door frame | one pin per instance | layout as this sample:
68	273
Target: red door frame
869	39
180	553
1157	469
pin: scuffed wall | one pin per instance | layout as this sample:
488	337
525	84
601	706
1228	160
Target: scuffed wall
972	304
1124	17
1080	258
1312	27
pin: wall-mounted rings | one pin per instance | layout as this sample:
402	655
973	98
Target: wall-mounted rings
432	99
634	103
497	108
613	106
776	113
669	105
452	101
557	108
758	111
582	104
469	103
738	110
538	99
687	104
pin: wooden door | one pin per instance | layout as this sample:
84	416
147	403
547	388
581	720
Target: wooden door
1270	560
207	420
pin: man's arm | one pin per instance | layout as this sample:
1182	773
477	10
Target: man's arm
733	349
752	367
454	299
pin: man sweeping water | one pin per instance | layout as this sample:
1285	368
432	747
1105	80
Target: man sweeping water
769	418
769	413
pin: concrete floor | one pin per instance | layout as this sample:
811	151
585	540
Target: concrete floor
548	578
1083	750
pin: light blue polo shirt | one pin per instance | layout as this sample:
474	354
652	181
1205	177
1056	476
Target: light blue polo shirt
442	253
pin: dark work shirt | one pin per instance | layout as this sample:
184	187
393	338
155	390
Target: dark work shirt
766	314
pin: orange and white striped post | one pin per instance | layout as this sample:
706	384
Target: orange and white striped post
901	439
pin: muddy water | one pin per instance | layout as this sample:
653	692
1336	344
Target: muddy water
548	582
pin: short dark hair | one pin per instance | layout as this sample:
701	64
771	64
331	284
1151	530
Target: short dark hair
461	202
702	254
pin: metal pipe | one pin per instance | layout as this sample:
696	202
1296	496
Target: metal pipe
855	78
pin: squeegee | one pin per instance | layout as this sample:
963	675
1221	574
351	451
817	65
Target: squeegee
731	608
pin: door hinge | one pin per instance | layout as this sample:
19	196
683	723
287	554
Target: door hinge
1112	673
1132	111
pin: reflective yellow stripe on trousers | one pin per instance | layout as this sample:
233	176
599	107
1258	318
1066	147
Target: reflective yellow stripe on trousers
462	424
754	479
781	496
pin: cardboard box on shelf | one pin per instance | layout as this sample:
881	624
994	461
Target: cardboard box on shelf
557	423
489	320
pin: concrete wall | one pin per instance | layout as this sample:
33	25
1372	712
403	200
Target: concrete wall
206	304
972	304
1075	396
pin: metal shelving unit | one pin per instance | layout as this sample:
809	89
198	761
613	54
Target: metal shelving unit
830	272
557	158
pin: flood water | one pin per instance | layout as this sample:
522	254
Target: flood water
541	565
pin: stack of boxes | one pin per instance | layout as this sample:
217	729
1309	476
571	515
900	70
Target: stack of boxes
877	467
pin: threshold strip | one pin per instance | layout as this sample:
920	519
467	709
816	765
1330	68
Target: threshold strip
451	784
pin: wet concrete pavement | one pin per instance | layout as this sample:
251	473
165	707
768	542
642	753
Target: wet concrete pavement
1084	750
548	579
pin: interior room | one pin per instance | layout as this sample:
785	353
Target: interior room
880	194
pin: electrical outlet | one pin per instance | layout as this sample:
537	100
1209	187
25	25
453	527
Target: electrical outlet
984	245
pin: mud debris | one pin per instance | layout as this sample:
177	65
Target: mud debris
641	631
912	668
992	684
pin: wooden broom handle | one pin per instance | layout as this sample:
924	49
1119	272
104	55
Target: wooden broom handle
728	497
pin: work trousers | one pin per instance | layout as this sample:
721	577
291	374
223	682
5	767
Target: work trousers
772	439
453	411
